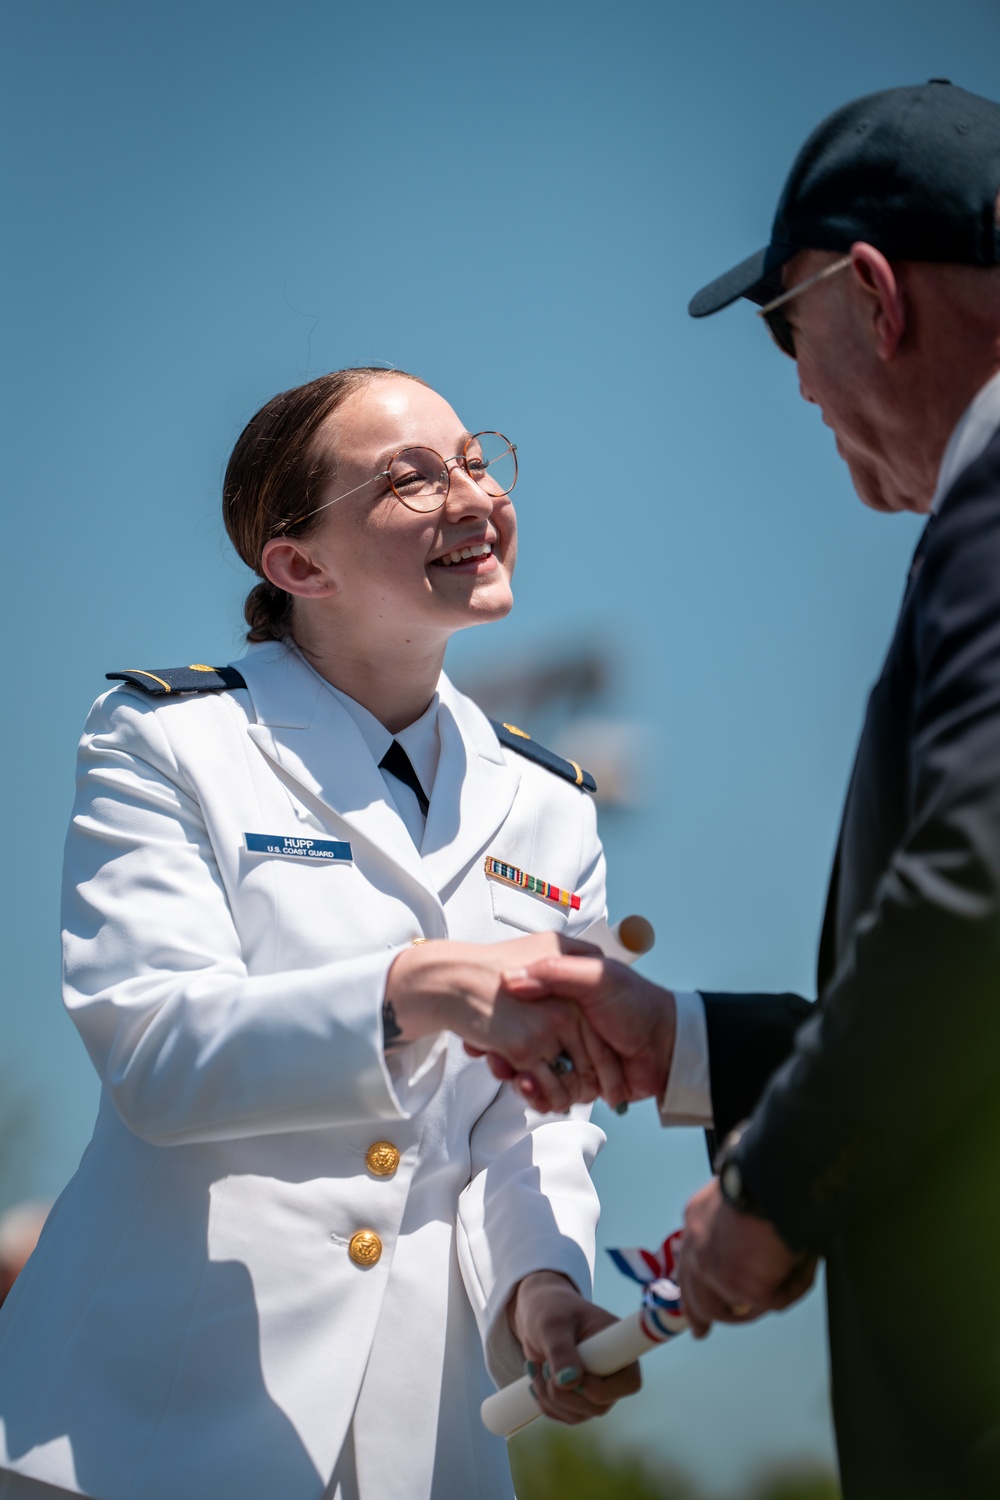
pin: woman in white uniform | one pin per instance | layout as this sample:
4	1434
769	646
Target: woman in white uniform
306	1211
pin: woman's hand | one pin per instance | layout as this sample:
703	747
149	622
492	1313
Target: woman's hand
549	1318
633	1017
445	986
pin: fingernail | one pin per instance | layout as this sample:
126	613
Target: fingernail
622	1109
511	976
546	1372
568	1375
530	1368
534	1393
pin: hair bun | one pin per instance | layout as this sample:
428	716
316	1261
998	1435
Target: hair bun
268	612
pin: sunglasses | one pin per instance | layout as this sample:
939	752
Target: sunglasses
778	325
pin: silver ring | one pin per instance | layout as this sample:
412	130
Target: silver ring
562	1065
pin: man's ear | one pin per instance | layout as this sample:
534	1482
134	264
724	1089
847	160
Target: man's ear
885	305
289	564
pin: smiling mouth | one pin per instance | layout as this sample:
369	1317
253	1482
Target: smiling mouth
463	554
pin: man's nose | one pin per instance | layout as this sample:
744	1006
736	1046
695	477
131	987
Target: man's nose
805	392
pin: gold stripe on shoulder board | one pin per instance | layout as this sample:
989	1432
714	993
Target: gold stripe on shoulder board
141	672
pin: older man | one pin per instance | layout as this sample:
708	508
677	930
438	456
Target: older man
876	1142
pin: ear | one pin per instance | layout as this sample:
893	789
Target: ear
290	565
884	304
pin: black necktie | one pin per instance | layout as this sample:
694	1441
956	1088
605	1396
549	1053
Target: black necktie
397	763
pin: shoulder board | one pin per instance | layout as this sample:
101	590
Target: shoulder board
517	739
168	680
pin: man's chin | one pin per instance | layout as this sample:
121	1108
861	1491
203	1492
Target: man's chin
869	487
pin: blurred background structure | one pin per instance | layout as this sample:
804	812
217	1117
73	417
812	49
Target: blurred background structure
567	697
208	202
20	1227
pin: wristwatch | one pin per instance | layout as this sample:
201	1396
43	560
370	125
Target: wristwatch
731	1180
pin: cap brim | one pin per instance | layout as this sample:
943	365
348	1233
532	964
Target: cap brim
758	277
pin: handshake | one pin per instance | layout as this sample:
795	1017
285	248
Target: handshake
554	1016
564	1024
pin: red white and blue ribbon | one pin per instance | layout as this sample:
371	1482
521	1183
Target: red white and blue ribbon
661	1316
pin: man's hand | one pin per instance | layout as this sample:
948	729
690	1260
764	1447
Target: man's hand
438	986
549	1318
734	1266
628	1014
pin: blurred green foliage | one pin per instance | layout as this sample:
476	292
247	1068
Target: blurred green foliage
553	1463
803	1484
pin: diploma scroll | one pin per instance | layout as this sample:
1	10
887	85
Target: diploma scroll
626	941
659	1319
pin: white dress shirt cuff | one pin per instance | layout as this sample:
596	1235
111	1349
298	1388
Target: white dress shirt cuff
687	1098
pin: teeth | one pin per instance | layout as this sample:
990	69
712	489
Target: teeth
481	549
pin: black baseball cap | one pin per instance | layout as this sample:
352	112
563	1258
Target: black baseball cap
913	171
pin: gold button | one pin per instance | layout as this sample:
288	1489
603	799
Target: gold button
382	1159
365	1247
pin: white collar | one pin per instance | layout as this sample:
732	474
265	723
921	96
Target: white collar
420	740
976	427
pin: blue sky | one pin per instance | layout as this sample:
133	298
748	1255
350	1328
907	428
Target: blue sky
208	203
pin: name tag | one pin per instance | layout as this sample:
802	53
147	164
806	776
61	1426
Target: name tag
297	848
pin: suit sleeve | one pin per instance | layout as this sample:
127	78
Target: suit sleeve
907	1039
749	1037
530	1204
190	1046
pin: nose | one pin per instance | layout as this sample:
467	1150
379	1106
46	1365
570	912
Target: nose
466	497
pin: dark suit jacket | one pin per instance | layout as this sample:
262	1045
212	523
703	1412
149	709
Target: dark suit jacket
877	1141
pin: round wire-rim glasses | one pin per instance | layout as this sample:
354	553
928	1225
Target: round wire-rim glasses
421	479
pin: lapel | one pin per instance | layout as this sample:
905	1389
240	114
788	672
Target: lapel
828	940
826	962
918	556
474	789
306	732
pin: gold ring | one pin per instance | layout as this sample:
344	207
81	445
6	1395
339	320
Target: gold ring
740	1309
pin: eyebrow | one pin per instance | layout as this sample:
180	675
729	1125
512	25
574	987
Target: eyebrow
390	453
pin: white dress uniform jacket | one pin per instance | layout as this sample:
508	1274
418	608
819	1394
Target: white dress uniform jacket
192	1323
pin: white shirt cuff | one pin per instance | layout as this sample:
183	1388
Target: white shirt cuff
687	1099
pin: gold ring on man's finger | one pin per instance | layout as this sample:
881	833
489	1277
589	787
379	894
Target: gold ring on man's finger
740	1309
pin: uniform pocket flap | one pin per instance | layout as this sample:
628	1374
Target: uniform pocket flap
526	911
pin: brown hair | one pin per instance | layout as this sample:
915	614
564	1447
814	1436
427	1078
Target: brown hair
274	475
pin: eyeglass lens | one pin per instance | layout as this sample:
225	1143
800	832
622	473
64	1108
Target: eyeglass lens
781	331
421	478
